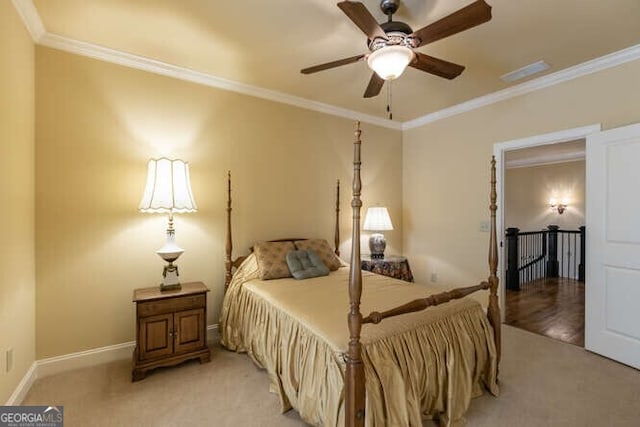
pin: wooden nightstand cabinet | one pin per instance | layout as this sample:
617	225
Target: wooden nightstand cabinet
171	327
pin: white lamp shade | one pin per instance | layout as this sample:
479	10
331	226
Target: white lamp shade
390	62
377	219
168	187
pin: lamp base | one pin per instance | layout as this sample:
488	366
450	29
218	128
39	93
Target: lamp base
171	281
377	245
170	252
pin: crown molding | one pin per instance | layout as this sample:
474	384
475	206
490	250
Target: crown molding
31	18
29	15
158	67
592	66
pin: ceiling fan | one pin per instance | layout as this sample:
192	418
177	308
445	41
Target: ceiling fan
392	44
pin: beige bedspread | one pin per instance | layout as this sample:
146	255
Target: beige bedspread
418	365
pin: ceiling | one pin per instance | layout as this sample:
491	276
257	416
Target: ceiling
266	43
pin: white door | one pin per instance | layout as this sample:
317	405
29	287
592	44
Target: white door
613	244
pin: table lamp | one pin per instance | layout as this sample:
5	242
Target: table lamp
168	190
377	219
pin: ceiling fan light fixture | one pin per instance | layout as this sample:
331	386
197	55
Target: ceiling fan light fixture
389	62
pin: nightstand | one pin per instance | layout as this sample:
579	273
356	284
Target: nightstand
171	327
391	265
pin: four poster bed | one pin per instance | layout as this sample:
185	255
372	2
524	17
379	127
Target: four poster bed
415	364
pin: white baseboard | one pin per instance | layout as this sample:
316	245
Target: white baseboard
82	359
212	333
24	386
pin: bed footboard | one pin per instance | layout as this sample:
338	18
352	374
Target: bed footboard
493	309
354	375
423	303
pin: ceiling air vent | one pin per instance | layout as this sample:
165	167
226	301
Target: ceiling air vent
525	71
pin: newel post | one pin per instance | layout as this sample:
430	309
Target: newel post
513	276
583	253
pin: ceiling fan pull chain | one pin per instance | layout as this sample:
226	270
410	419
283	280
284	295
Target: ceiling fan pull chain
389	99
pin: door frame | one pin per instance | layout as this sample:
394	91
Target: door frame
499	150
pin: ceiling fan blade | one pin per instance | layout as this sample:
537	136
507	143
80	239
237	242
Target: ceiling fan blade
374	87
438	67
360	16
468	17
332	64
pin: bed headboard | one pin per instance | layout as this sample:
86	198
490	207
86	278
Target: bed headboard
230	264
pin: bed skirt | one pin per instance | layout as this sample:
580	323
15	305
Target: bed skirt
428	371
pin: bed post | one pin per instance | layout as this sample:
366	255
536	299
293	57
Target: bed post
493	311
228	263
354	376
337	233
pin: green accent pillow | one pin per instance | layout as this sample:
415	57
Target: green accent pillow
305	264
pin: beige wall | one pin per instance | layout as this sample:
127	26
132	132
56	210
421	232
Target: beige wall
446	165
17	263
97	124
527	191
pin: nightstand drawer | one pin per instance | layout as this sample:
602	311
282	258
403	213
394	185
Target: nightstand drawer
170	305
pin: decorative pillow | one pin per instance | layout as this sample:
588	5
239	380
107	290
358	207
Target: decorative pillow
322	249
271	257
305	264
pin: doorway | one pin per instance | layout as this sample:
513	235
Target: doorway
533	174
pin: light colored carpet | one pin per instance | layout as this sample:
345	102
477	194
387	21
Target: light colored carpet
543	383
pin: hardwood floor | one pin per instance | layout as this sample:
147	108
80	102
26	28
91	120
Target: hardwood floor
551	307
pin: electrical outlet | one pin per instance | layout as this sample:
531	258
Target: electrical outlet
9	359
484	226
434	277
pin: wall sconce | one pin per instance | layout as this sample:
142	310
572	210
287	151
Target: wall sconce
560	207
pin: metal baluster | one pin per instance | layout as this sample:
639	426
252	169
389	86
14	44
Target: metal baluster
576	257
545	242
562	258
575	265
529	258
